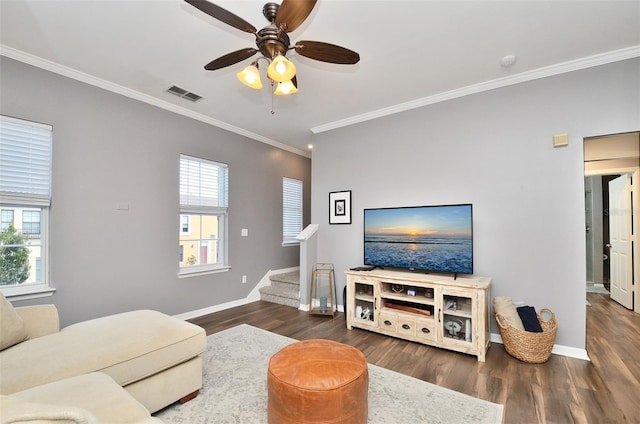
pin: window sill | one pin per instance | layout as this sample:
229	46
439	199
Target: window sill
32	291
198	272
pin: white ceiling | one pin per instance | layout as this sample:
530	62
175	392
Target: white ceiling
412	53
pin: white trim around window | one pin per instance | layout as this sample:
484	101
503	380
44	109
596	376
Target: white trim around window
25	189
203	192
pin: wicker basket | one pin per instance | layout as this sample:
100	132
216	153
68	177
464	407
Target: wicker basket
527	346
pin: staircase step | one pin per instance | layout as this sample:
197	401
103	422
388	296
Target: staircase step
284	289
279	296
292	277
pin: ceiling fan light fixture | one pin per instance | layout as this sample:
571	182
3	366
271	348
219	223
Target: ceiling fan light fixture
273	43
281	69
250	76
285	88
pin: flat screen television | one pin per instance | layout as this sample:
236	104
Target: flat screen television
420	238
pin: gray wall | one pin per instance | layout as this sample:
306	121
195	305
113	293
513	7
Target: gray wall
109	149
494	150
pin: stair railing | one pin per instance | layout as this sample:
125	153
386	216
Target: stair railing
308	254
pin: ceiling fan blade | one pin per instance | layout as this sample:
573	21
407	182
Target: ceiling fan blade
292	13
223	15
326	52
230	59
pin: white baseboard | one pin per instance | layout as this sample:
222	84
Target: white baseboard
211	309
253	296
569	351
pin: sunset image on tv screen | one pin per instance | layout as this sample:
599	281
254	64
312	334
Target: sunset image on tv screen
427	238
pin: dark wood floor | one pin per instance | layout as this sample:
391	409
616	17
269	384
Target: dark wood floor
563	390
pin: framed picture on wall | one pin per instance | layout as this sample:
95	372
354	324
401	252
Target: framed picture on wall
340	207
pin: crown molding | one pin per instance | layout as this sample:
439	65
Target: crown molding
561	68
39	62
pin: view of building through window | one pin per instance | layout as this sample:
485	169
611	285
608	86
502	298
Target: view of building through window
21	246
199	244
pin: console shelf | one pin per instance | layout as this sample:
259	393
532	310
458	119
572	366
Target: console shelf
438	310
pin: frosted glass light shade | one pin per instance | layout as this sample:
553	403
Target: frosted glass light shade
250	76
281	69
285	88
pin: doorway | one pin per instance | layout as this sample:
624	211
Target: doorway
611	233
597	232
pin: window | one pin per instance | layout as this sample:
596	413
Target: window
25	197
184	224
203	215
31	222
291	210
7	219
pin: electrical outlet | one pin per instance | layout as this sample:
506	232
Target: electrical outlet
244	279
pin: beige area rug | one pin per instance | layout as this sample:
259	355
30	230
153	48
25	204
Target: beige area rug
235	389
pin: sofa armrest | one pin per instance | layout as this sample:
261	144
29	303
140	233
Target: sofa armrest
39	320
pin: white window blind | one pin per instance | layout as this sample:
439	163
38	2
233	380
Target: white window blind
25	162
291	210
203	183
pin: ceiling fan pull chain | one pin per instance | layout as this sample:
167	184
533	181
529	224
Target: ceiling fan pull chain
272	111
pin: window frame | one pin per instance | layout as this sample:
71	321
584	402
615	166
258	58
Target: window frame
31	222
3	221
182	224
196	206
30	194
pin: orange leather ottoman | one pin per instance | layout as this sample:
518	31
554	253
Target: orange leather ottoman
317	381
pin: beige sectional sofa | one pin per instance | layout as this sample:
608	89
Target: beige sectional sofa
85	399
155	357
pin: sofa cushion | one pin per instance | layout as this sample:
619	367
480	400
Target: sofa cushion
16	411
12	329
95	393
128	347
39	320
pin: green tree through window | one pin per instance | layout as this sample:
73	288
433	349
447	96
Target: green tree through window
14	257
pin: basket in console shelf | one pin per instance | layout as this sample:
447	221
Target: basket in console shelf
527	346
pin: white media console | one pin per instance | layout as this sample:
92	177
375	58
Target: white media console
433	309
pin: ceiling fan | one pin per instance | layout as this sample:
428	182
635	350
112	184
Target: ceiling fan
273	43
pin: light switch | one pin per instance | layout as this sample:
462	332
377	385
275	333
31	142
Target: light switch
244	232
560	140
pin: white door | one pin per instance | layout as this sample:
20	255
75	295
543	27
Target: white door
620	239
